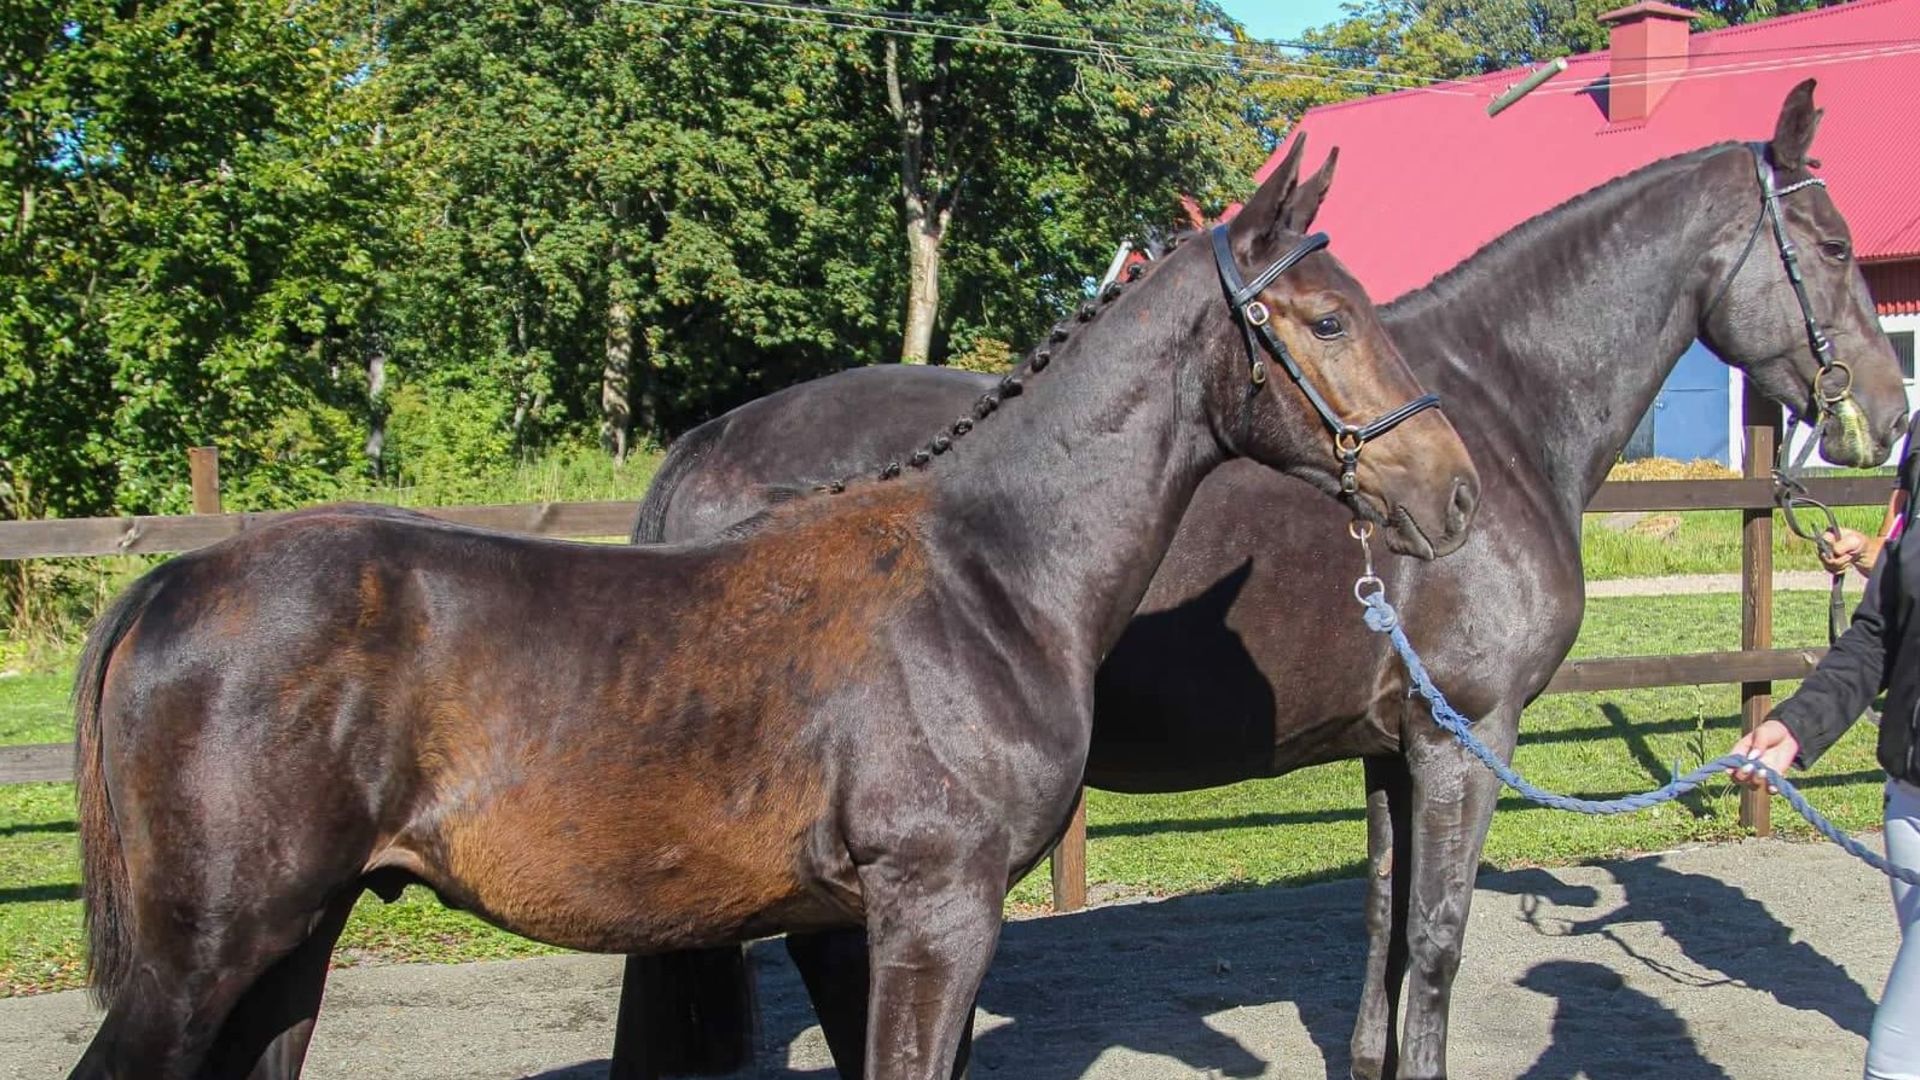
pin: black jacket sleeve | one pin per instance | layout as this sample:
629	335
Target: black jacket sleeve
1851	674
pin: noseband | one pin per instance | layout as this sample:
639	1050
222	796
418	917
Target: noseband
1254	318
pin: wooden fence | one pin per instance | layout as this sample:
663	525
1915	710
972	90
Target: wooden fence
1755	666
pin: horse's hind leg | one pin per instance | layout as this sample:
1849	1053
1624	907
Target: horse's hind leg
164	1022
1376	1030
266	1035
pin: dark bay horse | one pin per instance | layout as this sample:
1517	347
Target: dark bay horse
1549	344
870	710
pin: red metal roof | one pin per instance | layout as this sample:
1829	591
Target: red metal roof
1895	287
1426	177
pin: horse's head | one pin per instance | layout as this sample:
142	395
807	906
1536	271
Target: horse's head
1818	349
1303	377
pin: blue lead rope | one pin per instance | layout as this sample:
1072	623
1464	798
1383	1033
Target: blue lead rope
1381	618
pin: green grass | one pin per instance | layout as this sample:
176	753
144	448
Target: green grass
1305	827
33	708
577	476
1704	542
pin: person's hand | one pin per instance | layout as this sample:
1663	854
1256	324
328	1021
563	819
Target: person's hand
1773	744
1847	548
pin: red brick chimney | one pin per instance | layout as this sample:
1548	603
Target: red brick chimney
1647	43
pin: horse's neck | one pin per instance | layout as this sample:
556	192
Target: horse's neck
1071	492
1548	348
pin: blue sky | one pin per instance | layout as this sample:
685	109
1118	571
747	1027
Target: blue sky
1282	18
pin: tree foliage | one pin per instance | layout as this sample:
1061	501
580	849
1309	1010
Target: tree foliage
399	241
352	242
190	198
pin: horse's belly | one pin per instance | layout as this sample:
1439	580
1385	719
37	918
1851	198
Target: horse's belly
580	866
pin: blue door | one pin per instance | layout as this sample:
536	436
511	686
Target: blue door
1690	412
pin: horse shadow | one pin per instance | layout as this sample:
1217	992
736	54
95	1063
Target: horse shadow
1718	927
1160	979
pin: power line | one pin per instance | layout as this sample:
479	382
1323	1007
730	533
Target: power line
815	16
1264	49
993	24
1235	62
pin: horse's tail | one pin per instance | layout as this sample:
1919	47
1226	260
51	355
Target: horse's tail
689	450
103	876
688	1013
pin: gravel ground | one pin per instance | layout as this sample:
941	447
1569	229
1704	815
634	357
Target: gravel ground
1757	961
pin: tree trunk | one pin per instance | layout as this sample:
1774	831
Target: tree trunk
376	406
616	409
923	286
926	191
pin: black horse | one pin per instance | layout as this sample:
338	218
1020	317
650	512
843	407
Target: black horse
1247	657
871	709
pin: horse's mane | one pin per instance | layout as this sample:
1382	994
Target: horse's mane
1036	359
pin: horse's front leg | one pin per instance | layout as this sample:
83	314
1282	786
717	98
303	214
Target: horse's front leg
933	921
1376	1031
1453	797
833	964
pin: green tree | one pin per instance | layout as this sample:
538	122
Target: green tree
632	217
626	215
191	195
1032	162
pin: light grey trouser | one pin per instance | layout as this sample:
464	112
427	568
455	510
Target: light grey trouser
1893	1049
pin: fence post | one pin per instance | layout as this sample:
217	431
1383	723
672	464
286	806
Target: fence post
1762	420
1069	862
203	465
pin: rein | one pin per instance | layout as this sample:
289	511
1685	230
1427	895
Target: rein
1790	493
1255	319
1381	618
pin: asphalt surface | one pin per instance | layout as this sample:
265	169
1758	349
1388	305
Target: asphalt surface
1757	961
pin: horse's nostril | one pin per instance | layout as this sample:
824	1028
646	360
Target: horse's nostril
1466	496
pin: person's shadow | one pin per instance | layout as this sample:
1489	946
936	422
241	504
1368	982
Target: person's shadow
1718	927
1605	1030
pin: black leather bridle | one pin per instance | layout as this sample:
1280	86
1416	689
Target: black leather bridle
1817	340
1254	318
1789	492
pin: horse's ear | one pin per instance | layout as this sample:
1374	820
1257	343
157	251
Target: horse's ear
1266	210
1793	135
1304	206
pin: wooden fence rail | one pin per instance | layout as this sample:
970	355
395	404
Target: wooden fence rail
77	537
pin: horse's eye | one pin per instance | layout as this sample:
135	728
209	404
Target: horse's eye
1328	327
1836	250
